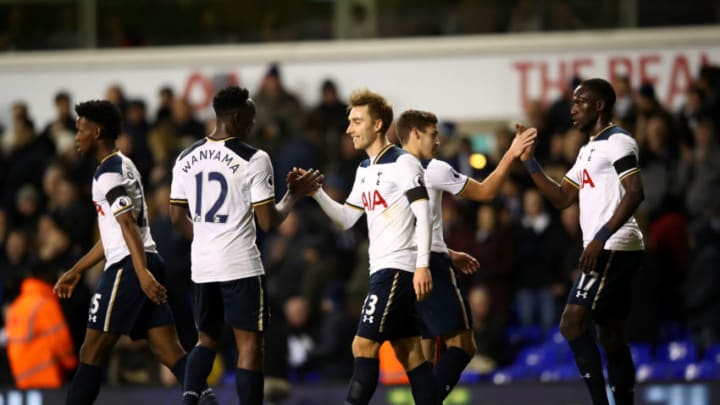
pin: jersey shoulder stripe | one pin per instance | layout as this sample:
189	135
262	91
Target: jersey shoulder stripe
365	163
606	134
245	151
111	164
390	154
191	148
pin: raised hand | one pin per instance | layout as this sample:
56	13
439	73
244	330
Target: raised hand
523	140
301	182
528	152
65	285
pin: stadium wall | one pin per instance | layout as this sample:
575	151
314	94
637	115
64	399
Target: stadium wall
468	78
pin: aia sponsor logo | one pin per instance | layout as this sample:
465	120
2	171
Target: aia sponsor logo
373	199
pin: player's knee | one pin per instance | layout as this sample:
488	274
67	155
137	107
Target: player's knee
207	341
95	351
463	340
572	325
362	347
611	338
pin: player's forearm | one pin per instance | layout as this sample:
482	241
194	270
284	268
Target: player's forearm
548	187
131	235
181	221
91	258
282	209
423	231
341	214
625	210
492	183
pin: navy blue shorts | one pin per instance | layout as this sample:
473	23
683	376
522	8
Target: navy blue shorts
607	290
389	311
446	310
241	303
120	307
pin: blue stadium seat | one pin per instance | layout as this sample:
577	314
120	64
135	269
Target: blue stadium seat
678	351
660	371
702	371
470	377
712	354
565	372
514	373
641	353
524	335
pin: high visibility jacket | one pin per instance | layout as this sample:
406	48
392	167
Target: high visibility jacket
392	371
39	347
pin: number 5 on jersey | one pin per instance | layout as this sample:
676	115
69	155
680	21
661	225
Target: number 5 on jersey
211	215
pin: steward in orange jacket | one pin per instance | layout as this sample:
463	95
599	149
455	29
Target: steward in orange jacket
39	347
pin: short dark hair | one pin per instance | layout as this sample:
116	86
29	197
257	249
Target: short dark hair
230	99
603	89
378	106
103	113
62	96
413	119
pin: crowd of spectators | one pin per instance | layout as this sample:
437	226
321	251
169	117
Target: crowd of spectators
317	275
131	23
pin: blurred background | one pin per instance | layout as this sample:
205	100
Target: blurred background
480	66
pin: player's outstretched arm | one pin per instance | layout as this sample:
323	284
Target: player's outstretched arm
342	214
488	188
180	218
463	262
65	285
150	286
560	195
271	215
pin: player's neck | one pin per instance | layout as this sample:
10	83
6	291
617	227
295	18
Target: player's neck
102	152
600	127
376	147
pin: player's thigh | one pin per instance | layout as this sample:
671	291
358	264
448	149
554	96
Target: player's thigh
245	303
165	344
96	347
118	300
607	290
445	311
389	311
463	339
153	315
249	345
208	311
364	347
408	352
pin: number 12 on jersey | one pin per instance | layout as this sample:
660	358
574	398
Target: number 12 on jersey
211	215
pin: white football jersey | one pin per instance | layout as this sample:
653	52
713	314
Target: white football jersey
221	182
380	190
441	177
600	166
116	189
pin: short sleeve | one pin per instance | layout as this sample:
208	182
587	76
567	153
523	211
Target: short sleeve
440	175
411	179
113	186
572	175
262	185
623	154
177	191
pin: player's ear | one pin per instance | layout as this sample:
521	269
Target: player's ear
600	105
